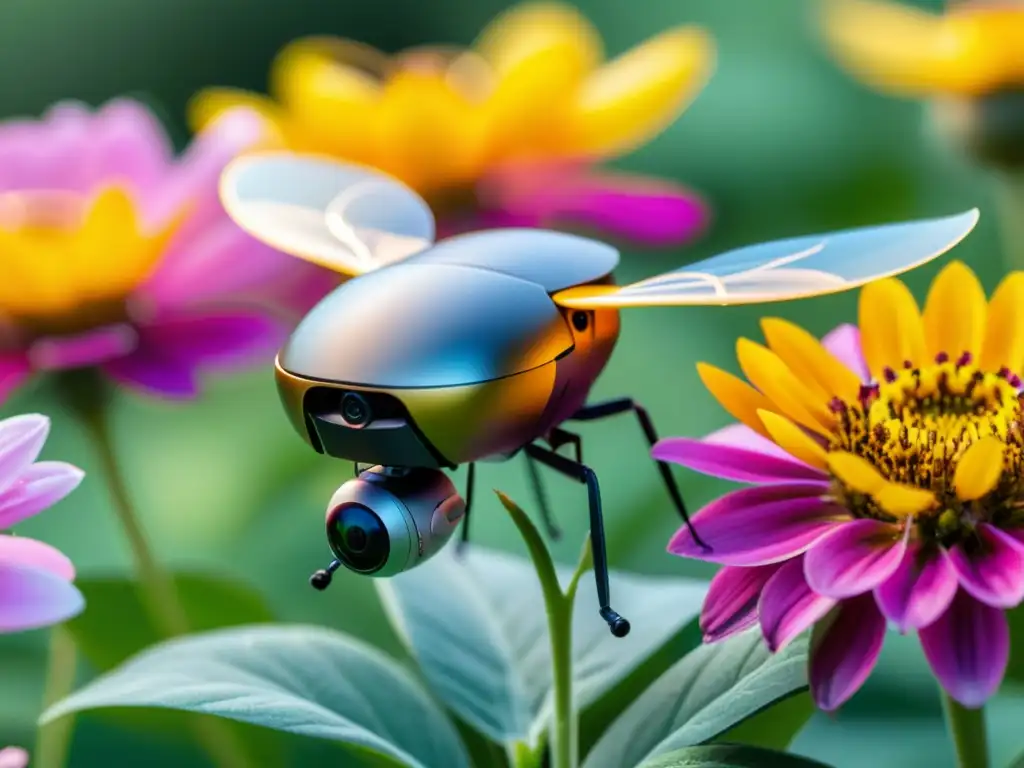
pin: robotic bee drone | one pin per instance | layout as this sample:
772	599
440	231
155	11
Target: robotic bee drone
483	345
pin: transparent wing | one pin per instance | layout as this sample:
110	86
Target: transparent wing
344	217
787	269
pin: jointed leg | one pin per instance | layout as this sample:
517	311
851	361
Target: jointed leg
470	477
584	474
621	405
554	532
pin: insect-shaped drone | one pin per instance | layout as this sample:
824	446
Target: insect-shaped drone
484	345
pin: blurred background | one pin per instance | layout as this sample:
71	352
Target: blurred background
780	142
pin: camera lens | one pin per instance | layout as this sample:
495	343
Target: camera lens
358	538
354	409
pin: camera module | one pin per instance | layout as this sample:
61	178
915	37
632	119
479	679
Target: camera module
355	410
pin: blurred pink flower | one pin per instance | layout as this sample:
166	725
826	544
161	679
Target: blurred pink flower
35	578
118	255
13	757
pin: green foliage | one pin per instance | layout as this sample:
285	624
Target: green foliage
730	756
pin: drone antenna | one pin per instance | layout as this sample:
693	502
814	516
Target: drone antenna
321	579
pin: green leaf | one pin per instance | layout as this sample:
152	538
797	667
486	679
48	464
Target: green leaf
298	679
476	624
116	626
709	691
730	756
775	727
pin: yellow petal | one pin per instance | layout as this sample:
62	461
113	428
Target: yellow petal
954	314
636	96
429	134
540	54
903	500
809	360
1004	326
855	472
793	440
979	469
209	104
770	375
890	326
906	51
740	400
329	89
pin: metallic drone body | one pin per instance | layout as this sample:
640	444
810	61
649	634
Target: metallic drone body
484	345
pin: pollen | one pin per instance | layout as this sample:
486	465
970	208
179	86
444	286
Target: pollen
915	426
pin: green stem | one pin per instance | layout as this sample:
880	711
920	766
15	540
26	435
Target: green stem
967	730
559	606
54	738
1010	198
89	397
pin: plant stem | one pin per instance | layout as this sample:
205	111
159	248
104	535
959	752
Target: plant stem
967	730
89	398
54	738
1010	195
559	606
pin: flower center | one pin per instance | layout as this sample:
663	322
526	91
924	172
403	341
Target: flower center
915	426
70	261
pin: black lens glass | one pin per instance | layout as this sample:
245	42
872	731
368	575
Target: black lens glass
358	538
354	409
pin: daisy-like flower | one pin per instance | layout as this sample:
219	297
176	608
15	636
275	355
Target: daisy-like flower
506	133
117	255
968	62
886	472
36	588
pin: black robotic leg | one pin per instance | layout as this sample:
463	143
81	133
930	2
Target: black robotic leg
556	439
621	405
584	474
470	478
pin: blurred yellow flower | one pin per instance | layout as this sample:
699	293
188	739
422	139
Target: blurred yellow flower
974	49
533	89
968	62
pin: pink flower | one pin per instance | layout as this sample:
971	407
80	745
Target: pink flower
35	578
885	467
13	757
117	254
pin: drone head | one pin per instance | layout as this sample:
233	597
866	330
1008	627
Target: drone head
390	520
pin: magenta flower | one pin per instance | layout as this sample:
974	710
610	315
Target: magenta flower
35	578
117	254
885	467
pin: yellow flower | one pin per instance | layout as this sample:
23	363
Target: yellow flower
974	49
534	87
917	416
969	62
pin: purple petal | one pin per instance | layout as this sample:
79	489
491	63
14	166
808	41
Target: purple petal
968	648
742	436
788	605
222	262
14	370
643	210
21	440
39	487
31	598
29	553
919	590
762	525
82	350
844	650
193	180
729	463
855	558
731	603
72	147
170	352
844	342
991	567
